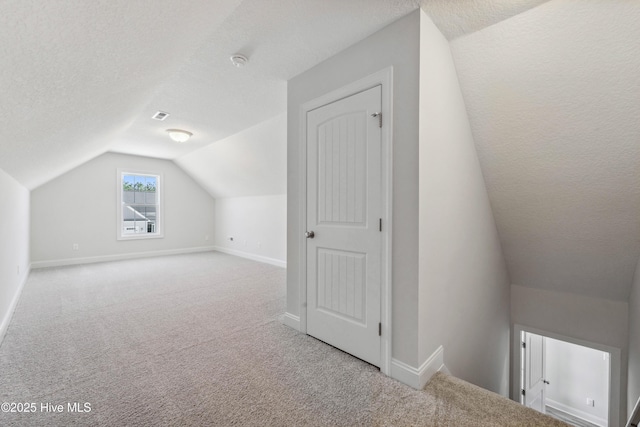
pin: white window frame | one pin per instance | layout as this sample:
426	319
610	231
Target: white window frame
121	172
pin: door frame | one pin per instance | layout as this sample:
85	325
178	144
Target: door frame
614	366
383	78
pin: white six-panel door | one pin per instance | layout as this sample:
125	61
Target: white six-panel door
344	213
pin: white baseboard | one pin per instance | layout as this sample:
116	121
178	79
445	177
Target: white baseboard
635	415
419	377
6	319
576	412
118	257
292	321
254	257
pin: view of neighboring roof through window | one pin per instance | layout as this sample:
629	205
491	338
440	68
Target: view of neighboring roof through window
139	207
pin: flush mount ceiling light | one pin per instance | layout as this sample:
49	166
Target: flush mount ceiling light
179	135
239	60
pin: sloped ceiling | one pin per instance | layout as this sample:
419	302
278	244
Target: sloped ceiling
283	38
552	96
249	163
80	78
74	74
455	18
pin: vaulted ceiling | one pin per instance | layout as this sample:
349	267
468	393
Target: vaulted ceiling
553	96
80	78
76	74
550	86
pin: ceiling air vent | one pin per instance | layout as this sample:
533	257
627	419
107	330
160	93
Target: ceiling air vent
160	115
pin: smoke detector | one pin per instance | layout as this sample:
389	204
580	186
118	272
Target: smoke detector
239	60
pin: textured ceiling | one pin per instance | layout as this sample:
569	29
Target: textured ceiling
456	18
74	74
250	163
283	38
552	96
80	78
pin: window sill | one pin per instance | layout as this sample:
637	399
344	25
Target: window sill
141	236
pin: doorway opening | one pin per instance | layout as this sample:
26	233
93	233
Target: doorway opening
565	380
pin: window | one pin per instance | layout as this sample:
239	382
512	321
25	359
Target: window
139	208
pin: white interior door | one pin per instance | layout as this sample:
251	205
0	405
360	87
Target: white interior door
534	372
344	213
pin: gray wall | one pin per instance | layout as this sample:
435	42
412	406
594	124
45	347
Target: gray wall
395	45
576	373
247	175
14	246
80	207
634	343
464	285
257	224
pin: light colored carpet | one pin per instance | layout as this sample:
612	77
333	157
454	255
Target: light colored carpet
196	340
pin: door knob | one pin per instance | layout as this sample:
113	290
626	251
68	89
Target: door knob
546	382
310	234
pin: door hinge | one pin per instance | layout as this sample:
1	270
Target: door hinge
379	116
379	329
380	225
524	345
523	392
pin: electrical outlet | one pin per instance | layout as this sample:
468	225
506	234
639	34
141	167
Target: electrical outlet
590	402
206	237
75	247
18	270
259	244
